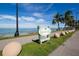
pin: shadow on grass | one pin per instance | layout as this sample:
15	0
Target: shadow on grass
36	41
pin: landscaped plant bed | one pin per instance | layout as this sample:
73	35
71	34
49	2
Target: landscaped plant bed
36	49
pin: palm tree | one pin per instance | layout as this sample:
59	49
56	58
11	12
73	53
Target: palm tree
73	21
17	31
68	18
57	19
77	24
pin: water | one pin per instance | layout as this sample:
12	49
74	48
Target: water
11	31
4	32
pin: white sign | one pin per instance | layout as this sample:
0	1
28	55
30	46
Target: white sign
44	34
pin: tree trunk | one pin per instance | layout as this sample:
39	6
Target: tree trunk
65	27
58	26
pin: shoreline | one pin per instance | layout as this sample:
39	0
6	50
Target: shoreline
8	36
21	35
24	35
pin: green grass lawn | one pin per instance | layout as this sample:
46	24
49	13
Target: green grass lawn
35	49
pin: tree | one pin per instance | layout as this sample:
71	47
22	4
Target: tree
57	19
68	18
17	31
77	24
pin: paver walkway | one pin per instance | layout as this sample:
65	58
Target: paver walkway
69	48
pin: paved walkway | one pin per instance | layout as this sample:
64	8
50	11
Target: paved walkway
69	48
22	40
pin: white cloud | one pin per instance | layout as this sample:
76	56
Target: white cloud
48	7
28	18
36	7
10	17
32	7
1	18
31	22
28	25
40	21
38	14
25	25
7	25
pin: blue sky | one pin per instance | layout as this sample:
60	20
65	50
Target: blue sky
33	14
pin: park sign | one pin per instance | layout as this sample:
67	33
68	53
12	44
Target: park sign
44	33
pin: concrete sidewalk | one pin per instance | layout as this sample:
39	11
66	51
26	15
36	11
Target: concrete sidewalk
69	48
22	40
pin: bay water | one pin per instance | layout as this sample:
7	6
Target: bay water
4	32
11	31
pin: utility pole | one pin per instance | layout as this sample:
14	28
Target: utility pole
17	30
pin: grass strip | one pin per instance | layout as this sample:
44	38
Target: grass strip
35	49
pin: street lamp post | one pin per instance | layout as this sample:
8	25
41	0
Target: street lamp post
17	31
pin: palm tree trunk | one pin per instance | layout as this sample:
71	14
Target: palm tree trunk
17	31
65	27
58	26
38	32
